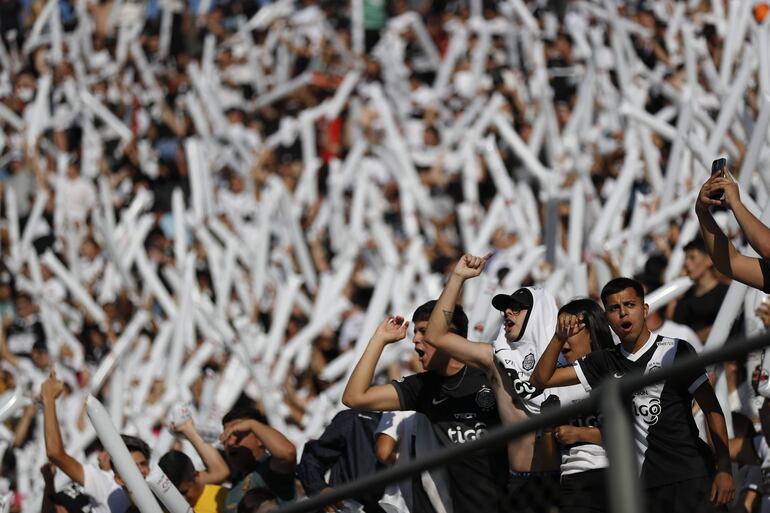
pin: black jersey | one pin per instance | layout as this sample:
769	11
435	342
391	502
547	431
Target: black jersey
667	442
462	408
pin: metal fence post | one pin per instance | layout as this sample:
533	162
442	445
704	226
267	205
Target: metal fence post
625	495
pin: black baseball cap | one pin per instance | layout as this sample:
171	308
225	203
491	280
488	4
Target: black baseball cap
521	299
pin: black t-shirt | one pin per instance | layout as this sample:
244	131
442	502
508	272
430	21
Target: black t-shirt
667	442
698	312
764	266
462	408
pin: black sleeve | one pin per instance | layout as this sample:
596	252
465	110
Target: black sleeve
680	312
409	390
695	378
593	367
764	266
318	456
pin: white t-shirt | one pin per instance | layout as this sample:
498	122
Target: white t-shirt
106	495
584	456
414	434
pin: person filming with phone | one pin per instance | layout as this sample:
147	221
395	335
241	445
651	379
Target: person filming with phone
721	189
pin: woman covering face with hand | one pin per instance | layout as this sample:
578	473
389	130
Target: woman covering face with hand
582	329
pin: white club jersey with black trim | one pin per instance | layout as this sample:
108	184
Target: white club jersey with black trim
667	442
579	457
519	358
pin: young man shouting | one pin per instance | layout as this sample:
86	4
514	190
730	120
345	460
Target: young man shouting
678	469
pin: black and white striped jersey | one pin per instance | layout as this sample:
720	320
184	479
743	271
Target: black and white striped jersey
667	442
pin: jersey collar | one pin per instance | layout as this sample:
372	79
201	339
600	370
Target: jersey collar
635	356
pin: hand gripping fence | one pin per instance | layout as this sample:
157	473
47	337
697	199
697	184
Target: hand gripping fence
611	397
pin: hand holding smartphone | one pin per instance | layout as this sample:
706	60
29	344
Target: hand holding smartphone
718	168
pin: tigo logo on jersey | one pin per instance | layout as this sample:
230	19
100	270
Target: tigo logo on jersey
459	435
648	409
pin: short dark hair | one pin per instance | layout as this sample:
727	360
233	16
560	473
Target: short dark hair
595	321
134	444
697	244
459	319
243	413
178	467
253	499
620	284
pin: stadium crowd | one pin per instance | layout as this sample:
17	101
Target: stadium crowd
221	218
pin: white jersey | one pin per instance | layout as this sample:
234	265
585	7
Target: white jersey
582	456
519	358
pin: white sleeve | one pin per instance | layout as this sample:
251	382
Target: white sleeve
390	421
97	483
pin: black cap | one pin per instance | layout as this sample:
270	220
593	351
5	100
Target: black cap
72	500
521	299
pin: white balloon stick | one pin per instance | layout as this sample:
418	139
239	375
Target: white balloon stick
576	226
516	276
505	188
124	342
730	104
757	142
180	228
77	290
41	198
115	398
195	109
234	378
761	44
519	147
665	294
142	201
11	117
665	130
493	219
284	89
121	459
458	43
375	312
280	318
39	110
12	213
342	94
194	364
165	490
614	206
737	24
651	159
13	404
675	262
103	113
153	284
225	282
526	17
633	243
304	338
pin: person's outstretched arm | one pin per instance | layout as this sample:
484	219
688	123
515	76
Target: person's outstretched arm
438	334
727	259
50	390
359	393
546	375
757	233
723	488
217	470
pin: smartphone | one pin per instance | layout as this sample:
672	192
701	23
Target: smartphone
718	168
